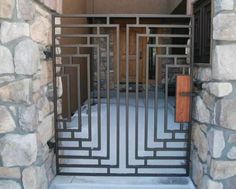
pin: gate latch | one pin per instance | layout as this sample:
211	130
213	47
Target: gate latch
191	94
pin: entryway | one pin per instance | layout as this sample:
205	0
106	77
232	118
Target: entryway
116	119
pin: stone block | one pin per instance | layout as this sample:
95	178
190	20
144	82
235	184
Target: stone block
216	142
40	30
219	89
59	87
230	183
18	150
13	30
222	5
224	67
46	129
26	57
232	138
43	105
6	78
200	111
7	123
224	26
220	170
207	183
25	10
43	152
10	173
51	4
6	64
17	91
46	73
208	99
232	153
35	178
202	74
9	184
28	118
6	8
197	169
200	142
225	115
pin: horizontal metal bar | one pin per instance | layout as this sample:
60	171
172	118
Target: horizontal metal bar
81	35
130	166
172	56
87	25
121	16
152	158
124	174
158	26
168	46
79	45
165	35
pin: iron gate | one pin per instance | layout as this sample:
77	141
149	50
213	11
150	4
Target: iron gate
119	72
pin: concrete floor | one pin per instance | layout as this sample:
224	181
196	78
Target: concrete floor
70	182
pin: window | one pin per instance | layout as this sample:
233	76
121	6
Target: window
202	38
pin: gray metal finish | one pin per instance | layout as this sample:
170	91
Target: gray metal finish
122	135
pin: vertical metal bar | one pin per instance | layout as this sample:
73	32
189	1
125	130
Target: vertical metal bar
108	20
79	99
118	94
137	96
68	97
89	98
146	97
99	98
166	99
137	20
156	101
55	94
127	96
108	96
191	100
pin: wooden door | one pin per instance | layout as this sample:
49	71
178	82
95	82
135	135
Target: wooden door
132	55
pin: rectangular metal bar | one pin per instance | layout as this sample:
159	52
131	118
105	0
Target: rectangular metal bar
118	96
79	99
108	96
146	98
127	95
121	15
137	97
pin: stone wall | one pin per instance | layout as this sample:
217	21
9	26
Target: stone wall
26	107
214	113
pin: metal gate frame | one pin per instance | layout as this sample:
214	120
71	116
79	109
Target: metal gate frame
56	66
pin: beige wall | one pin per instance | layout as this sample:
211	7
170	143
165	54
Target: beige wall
131	6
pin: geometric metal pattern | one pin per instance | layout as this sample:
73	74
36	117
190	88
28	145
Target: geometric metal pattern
128	128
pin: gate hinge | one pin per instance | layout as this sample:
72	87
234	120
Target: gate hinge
51	144
48	52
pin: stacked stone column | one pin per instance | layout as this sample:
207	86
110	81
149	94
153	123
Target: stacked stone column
26	107
214	128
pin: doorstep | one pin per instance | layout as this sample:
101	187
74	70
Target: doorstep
89	182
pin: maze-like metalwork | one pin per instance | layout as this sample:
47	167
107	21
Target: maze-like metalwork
122	127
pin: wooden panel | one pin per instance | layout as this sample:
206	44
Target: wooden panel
182	102
132	55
